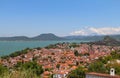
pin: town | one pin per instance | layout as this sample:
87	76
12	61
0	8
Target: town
61	58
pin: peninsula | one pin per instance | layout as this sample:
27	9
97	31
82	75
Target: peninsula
62	59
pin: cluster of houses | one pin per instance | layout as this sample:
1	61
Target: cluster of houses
61	60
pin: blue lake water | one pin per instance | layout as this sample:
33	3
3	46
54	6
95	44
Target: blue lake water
7	47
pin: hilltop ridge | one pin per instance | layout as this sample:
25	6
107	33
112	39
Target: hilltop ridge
47	36
107	40
51	36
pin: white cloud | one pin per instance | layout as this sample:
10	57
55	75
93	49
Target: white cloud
97	31
81	32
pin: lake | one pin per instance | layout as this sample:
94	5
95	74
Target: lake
7	47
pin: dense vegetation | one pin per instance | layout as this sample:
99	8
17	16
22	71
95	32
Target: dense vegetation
97	66
51	46
22	70
73	45
3	70
76	53
104	64
77	73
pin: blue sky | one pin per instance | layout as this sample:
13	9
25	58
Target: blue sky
61	17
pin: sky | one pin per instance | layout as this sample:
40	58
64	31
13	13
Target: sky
61	17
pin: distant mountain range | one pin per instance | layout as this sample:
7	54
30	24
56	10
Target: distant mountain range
92	38
50	36
42	37
109	41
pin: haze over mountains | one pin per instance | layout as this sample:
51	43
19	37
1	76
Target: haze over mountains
50	36
108	41
43	37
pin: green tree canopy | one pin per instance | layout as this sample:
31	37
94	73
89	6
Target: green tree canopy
76	53
97	67
77	73
31	66
3	69
58	66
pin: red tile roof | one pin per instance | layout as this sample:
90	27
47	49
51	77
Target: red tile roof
102	75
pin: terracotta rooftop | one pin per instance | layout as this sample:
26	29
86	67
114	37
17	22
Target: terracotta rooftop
102	75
